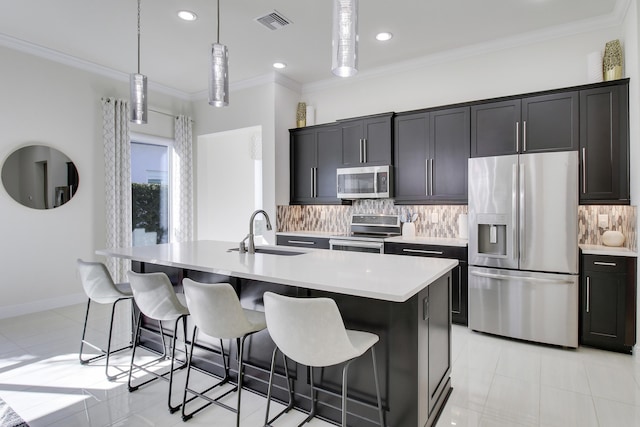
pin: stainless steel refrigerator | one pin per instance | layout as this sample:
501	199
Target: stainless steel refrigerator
523	246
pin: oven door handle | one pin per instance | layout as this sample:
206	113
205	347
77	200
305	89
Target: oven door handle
356	244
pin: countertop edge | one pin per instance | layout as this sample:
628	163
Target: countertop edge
607	250
365	293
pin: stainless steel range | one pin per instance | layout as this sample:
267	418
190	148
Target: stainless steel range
367	233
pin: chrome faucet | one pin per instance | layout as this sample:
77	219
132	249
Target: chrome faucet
250	236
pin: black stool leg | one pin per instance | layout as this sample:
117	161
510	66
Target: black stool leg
267	421
375	377
84	331
133	352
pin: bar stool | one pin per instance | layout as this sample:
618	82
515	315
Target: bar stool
311	332
100	288
216	311
154	295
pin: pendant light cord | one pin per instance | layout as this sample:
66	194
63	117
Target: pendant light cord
218	36
138	36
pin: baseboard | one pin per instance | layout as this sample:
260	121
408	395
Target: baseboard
41	305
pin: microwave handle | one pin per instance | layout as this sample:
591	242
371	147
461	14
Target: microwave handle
375	182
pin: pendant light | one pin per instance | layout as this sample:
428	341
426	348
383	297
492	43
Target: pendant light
138	89
344	41
219	72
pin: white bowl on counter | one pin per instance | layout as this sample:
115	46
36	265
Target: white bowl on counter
612	238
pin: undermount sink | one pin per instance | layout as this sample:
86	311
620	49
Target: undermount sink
271	251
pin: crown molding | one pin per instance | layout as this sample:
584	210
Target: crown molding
615	18
72	61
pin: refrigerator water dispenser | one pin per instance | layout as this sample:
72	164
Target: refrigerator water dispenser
492	239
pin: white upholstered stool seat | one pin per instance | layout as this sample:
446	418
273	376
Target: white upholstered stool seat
311	332
155	298
100	288
216	312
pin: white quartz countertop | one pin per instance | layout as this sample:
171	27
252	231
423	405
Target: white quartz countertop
424	240
385	277
607	250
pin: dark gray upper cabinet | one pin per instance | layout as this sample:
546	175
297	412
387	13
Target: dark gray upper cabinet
495	128
550	122
366	141
604	144
315	155
431	154
531	124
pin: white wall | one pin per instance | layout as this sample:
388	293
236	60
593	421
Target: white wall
247	108
485	74
44	102
632	69
229	177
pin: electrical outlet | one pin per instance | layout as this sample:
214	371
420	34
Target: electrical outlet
603	221
434	217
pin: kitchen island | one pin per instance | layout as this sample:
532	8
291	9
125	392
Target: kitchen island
405	300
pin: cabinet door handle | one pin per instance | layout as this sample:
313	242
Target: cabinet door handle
301	242
584	170
364	143
608	264
360	150
426	177
524	135
422	251
588	293
425	309
431	177
517	137
312	183
315	182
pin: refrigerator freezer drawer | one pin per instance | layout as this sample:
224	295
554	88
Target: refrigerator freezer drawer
538	307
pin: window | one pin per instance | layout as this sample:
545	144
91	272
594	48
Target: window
150	189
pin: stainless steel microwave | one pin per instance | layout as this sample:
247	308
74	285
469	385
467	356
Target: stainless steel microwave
369	182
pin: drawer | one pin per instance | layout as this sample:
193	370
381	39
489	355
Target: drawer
434	251
604	263
303	242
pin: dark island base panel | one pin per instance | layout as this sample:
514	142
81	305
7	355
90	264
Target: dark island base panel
403	333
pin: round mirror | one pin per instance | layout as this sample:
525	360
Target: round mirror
39	177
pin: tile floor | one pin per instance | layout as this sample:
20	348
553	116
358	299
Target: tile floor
497	382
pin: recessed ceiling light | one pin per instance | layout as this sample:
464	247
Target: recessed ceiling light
384	36
279	65
187	15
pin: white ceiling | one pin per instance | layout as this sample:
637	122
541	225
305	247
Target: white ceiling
175	53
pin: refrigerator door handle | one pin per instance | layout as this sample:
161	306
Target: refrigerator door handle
529	279
514	209
522	223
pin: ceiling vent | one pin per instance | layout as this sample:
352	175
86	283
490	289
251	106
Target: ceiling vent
273	20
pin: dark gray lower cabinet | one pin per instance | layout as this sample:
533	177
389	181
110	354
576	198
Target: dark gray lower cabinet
302	242
413	355
459	279
608	300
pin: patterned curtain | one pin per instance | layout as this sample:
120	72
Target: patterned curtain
117	179
182	205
